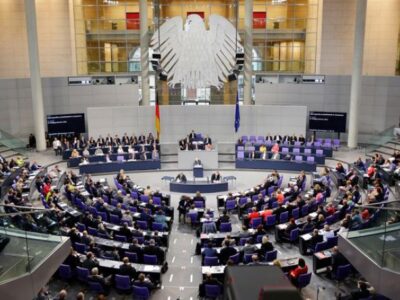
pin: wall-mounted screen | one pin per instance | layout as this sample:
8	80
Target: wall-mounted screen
66	124
327	121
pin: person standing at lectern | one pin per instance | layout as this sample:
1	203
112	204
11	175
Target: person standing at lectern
215	177
197	162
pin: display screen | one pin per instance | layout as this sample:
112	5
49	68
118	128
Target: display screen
327	121
66	124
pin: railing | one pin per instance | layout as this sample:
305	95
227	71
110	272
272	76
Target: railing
377	140
378	237
12	142
21	251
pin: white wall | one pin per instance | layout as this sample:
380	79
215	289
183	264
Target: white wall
380	100
215	120
59	98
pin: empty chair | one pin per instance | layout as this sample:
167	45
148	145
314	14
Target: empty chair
274	204
157	200
260	139
270	221
157	226
212	291
132	256
144	198
280	180
303	280
82	274
321	246
298	158
230	205
296	150
271	255
310	159
342	272
317	144
296	213
245	138
150	259
92	231
211	261
307	151
225	227
294	235
65	272
252	138
255	222
304	210
142	224
240	155
96	287
123	283
140	292
242	201
120	158
240	148
331	242
247	258
297	144
114	202
120	238
115	219
134	195
285	150
242	241
235	258
336	143
133	209
81	227
284	217
81	248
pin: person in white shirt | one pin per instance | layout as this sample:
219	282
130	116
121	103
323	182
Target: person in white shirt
120	150
327	233
98	151
85	161
57	146
108	158
85	152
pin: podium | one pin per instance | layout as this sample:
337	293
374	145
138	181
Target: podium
198	171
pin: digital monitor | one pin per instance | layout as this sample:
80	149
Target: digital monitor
66	124
327	121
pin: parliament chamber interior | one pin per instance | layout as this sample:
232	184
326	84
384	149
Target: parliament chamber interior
196	149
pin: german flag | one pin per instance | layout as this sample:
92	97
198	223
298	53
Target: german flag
158	129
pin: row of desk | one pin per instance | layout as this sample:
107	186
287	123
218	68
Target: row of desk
285	165
108	150
328	152
74	162
115	166
319	159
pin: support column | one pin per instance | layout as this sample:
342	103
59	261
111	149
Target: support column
248	50
144	52
356	77
34	67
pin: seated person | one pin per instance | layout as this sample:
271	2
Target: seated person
301	269
291	226
208	147
98	151
199	197
144	281
327	232
207	140
155	155
209	226
208	281
74	153
209	251
126	269
362	292
120	150
263	152
275	151
105	282
85	152
152	249
216	177
181	178
182	144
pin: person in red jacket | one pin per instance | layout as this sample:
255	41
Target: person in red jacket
301	269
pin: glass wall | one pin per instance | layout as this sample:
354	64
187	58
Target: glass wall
285	31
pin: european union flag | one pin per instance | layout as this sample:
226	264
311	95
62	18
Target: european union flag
237	114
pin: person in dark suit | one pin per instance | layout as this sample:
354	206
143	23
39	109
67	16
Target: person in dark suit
152	249
181	178
209	251
289	228
125	231
280	209
144	281
126	269
197	162
226	252
105	282
207	140
338	259
135	248
216	177
192	136
90	262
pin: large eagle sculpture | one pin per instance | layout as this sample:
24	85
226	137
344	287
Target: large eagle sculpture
193	56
